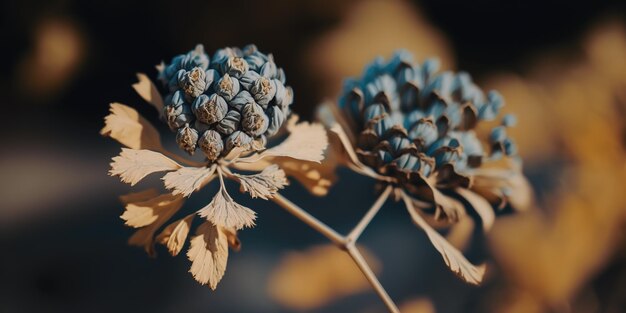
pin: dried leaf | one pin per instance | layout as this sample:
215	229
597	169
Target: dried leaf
306	142
133	165
175	234
480	205
208	254
145	212
453	258
224	211
265	184
125	125
305	280
187	180
166	205
231	235
146	89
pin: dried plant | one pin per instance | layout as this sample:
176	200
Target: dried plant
226	106
405	125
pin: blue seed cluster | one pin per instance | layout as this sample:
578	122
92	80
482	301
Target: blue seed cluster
410	118
237	98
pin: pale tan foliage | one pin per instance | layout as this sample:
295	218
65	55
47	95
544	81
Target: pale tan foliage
453	258
315	277
306	141
148	91
480	205
224	211
175	234
145	212
139	196
125	125
264	184
133	165
165	207
208	254
187	180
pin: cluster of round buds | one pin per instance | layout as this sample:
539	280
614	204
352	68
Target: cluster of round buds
411	119
237	98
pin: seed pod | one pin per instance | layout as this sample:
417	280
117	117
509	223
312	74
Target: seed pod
249	79
237	139
423	133
230	123
253	119
227	87
187	138
269	69
235	66
254	57
263	91
210	109
194	82
277	118
177	116
241	100
211	144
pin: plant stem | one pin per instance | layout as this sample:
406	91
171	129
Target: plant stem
346	243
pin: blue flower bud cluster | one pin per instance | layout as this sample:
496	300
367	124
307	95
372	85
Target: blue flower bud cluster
237	98
410	118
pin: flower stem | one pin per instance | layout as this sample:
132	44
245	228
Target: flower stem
346	243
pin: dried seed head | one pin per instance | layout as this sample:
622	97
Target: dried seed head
253	120
227	87
211	144
263	90
210	109
236	66
187	138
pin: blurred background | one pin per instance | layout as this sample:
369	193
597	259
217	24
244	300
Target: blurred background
561	66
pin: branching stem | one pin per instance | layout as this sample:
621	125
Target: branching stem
346	243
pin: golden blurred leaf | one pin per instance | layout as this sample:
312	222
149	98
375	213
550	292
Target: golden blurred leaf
315	277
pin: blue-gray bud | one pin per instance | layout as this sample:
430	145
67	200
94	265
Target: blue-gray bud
424	133
194	82
230	123
263	91
227	87
177	116
253	119
187	138
249	79
211	144
277	118
269	69
210	109
498	134
235	66
237	139
241	100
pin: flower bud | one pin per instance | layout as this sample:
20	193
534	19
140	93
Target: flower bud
187	138
254	57
253	120
177	116
221	57
277	118
263	91
210	109
211	144
235	66
424	133
194	82
498	134
240	100
249	79
237	139
227	87
195	58
230	123
201	127
509	120
269	69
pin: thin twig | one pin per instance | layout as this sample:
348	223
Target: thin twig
343	242
353	236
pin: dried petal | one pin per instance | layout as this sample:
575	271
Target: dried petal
175	235
129	128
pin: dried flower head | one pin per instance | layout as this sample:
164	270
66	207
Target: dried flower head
226	94
413	128
210	109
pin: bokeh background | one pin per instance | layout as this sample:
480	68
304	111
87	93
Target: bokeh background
561	66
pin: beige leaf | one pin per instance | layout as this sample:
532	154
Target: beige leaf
306	280
306	142
187	180
224	211
125	125
231	235
265	184
166	205
208	254
175	234
453	258
480	205
146	89
133	165
145	212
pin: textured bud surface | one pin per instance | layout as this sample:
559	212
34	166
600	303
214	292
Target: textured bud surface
238	97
